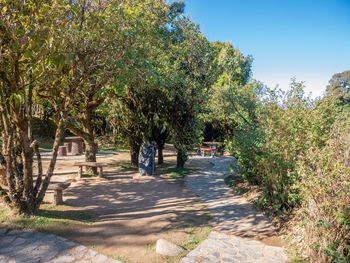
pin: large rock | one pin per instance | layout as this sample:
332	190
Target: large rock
167	248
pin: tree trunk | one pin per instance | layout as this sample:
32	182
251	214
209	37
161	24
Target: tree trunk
61	127
91	150
134	151
181	158
160	154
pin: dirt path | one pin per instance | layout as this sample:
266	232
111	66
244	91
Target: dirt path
129	214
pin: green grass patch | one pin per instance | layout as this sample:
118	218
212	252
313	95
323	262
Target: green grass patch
108	149
113	149
178	172
45	143
123	259
47	218
196	236
124	165
171	171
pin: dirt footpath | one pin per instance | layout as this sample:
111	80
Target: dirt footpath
129	214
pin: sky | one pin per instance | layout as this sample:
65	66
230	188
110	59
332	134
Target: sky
306	39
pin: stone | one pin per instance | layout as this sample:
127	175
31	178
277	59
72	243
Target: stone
62	245
18	241
26	259
64	259
92	253
79	248
8	239
14	232
3	231
101	259
167	248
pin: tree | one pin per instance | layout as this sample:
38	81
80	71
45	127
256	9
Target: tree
237	97
188	74
136	105
28	37
96	45
339	87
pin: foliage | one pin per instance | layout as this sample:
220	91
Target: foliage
188	74
232	90
29	35
298	153
325	188
339	88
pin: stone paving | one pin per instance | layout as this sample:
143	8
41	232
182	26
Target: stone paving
26	246
233	219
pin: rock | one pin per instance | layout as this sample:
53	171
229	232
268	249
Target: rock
167	248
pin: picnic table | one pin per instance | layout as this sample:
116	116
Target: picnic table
212	147
207	149
77	145
213	144
90	164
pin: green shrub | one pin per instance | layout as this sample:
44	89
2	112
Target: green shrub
325	188
268	153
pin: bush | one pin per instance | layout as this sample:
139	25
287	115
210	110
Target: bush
44	128
325	188
268	154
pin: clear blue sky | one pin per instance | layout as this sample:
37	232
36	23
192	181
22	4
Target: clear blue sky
307	39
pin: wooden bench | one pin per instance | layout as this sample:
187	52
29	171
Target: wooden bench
204	149
58	189
90	164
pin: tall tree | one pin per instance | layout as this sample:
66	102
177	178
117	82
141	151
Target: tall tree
136	90
95	46
339	87
188	75
232	90
29	32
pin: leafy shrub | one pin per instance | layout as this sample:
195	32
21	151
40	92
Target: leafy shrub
268	154
325	188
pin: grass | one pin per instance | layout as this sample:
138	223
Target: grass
124	165
113	149
123	259
195	236
45	143
48	217
178	172
171	171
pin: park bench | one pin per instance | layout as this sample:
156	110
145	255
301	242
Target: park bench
209	150
58	189
90	164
